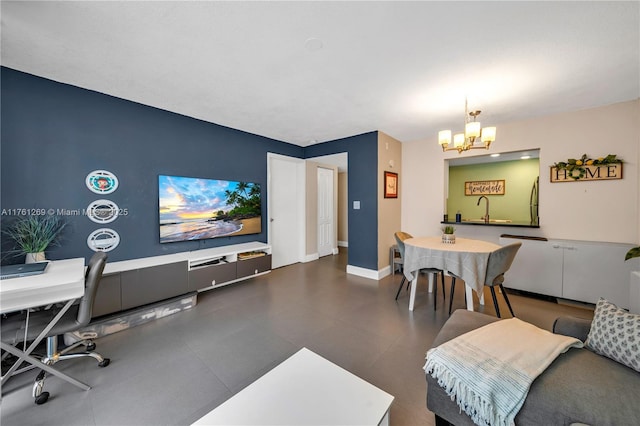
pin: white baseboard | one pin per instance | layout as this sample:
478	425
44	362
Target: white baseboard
314	256
362	272
343	243
310	257
384	272
369	273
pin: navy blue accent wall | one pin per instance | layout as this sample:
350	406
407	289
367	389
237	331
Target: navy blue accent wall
361	186
54	134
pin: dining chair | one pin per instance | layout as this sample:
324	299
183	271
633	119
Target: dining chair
400	236
499	263
395	261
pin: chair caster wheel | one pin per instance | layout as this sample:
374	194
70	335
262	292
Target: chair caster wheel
104	362
91	347
42	398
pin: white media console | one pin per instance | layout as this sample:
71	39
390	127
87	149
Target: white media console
133	283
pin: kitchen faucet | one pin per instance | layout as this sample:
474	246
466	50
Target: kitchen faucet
486	216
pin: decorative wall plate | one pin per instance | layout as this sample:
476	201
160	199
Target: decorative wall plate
103	239
102	211
101	182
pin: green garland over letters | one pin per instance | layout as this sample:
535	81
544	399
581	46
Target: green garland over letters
572	165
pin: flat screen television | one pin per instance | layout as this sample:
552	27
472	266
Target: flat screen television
196	209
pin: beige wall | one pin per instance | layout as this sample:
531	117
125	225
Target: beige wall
589	211
389	209
311	207
343	208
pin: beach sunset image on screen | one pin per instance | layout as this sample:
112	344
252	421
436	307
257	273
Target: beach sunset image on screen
196	209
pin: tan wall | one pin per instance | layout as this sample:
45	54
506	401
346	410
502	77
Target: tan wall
311	206
343	208
389	209
588	211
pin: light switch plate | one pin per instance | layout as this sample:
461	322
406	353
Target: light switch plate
356	205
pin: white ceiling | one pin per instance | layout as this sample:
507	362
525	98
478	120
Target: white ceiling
308	72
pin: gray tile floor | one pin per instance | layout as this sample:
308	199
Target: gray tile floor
174	370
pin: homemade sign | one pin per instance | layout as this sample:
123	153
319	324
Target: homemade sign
484	187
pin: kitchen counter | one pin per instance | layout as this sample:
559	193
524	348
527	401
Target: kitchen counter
498	223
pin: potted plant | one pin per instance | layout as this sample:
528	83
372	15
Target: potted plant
32	235
448	236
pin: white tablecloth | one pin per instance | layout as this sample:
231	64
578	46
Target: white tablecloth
466	258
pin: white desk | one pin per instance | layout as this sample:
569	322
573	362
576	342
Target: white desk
62	281
466	258
305	389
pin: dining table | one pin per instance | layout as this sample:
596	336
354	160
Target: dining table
466	259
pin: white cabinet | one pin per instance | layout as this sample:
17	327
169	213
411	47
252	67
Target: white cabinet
537	268
594	270
577	270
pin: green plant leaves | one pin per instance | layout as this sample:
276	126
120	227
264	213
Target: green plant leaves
33	234
634	252
448	229
573	163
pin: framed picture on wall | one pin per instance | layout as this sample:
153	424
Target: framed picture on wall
390	185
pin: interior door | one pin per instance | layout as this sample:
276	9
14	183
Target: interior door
325	212
285	205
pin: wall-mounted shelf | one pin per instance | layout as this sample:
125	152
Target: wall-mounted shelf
137	282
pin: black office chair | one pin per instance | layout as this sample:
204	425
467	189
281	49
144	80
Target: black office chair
77	317
499	262
400	237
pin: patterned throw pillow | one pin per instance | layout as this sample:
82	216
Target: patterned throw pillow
615	333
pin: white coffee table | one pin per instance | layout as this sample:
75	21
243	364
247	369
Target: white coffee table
305	389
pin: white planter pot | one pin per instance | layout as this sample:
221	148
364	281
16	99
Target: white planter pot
34	257
449	238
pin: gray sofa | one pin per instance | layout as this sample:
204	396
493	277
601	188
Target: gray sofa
579	387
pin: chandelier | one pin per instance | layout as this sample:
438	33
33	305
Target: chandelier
472	131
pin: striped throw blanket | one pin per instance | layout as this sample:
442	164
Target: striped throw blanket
488	371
